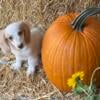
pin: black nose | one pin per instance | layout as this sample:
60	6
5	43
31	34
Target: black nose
20	46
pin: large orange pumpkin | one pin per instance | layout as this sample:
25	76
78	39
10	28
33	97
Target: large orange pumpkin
71	45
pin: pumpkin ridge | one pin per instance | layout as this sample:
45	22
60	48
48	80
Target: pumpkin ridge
76	54
54	47
91	36
67	38
87	42
75	50
62	63
92	41
73	41
72	46
88	55
50	58
56	52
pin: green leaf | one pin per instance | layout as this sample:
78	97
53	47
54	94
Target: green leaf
97	97
89	97
94	88
75	93
91	90
77	90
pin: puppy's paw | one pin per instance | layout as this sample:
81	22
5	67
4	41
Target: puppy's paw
15	66
30	71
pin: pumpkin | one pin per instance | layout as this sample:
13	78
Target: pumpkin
72	44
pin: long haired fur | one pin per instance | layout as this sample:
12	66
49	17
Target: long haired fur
26	29
4	43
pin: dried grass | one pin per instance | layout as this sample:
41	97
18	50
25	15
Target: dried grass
15	85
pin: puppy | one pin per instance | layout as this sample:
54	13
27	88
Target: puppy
24	43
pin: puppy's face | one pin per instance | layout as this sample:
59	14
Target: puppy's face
18	34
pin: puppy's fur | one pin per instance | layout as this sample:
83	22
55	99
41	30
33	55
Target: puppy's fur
4	43
24	43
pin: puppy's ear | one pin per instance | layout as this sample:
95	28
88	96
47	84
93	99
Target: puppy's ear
4	43
26	28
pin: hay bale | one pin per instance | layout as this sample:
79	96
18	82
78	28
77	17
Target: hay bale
15	85
40	11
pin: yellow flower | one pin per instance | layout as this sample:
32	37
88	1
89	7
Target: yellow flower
73	80
79	75
71	83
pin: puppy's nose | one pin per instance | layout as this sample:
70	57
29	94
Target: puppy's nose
20	46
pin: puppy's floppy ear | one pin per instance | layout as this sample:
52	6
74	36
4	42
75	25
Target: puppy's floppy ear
4	43
26	28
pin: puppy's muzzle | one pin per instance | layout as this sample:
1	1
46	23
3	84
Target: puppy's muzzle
21	46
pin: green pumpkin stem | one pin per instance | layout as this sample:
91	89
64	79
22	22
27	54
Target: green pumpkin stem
78	23
81	14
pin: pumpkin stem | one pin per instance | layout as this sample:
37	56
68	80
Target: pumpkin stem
79	20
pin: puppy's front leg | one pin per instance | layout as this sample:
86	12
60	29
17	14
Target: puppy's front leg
17	64
32	63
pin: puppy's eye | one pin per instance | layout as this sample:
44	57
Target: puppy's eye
20	33
10	38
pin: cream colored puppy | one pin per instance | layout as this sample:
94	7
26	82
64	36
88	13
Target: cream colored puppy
24	43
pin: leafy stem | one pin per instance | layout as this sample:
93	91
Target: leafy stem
84	91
